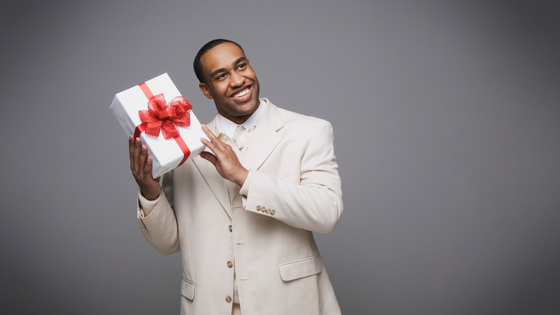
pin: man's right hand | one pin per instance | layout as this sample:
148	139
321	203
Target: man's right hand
141	167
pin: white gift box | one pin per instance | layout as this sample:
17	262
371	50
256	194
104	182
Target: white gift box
166	153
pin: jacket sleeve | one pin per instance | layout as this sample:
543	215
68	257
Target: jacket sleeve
315	203
159	227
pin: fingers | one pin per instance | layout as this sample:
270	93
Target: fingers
140	165
216	145
148	166
143	156
136	163
143	163
224	158
133	153
209	133
131	148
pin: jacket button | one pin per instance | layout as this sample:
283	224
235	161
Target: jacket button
259	208
228	299
272	212
229	264
230	228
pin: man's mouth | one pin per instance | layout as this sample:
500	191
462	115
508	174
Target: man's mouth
240	95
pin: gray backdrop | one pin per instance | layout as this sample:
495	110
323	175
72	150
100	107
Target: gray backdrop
447	125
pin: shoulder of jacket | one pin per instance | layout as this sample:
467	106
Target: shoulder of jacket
290	117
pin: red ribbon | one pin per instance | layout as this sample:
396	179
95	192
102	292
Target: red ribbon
165	117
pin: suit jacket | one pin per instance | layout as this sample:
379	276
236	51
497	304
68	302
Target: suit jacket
264	231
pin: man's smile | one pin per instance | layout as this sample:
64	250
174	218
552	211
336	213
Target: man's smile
243	94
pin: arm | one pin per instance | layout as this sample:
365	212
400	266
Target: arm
315	203
156	216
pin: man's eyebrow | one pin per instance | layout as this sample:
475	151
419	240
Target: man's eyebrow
240	59
215	72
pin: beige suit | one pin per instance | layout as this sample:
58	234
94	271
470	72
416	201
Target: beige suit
263	232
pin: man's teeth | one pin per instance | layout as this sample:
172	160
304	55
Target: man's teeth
242	93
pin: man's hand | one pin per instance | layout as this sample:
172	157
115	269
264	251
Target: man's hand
224	159
141	167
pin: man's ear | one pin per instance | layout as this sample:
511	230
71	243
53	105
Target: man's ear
204	88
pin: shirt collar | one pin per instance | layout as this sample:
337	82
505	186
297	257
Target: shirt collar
228	126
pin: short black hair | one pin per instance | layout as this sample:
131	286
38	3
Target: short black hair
197	65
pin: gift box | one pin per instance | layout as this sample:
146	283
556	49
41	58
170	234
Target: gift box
157	113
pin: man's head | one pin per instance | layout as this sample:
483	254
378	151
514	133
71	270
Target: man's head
226	76
197	65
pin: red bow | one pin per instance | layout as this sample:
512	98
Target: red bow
166	118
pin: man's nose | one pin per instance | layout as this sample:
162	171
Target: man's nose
237	79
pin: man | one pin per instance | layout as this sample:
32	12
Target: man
242	213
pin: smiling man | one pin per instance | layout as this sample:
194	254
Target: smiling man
242	214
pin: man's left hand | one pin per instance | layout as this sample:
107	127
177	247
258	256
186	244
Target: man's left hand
224	158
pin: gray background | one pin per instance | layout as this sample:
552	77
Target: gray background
446	117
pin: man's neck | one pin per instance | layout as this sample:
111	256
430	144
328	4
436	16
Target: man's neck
229	126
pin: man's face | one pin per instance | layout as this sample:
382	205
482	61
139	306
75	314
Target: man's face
230	82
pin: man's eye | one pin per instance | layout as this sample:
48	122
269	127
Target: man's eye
221	76
242	66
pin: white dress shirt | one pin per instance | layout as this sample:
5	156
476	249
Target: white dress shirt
228	126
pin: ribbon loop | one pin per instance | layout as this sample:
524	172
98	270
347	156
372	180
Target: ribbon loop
164	117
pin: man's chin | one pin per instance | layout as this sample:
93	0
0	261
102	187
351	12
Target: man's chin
249	105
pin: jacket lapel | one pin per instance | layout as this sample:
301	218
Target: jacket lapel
265	139
263	142
213	179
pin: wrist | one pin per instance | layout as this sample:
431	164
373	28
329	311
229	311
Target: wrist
150	195
242	177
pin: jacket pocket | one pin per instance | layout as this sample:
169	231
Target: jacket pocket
187	289
300	268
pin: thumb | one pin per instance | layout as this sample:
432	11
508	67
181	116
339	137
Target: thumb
209	157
